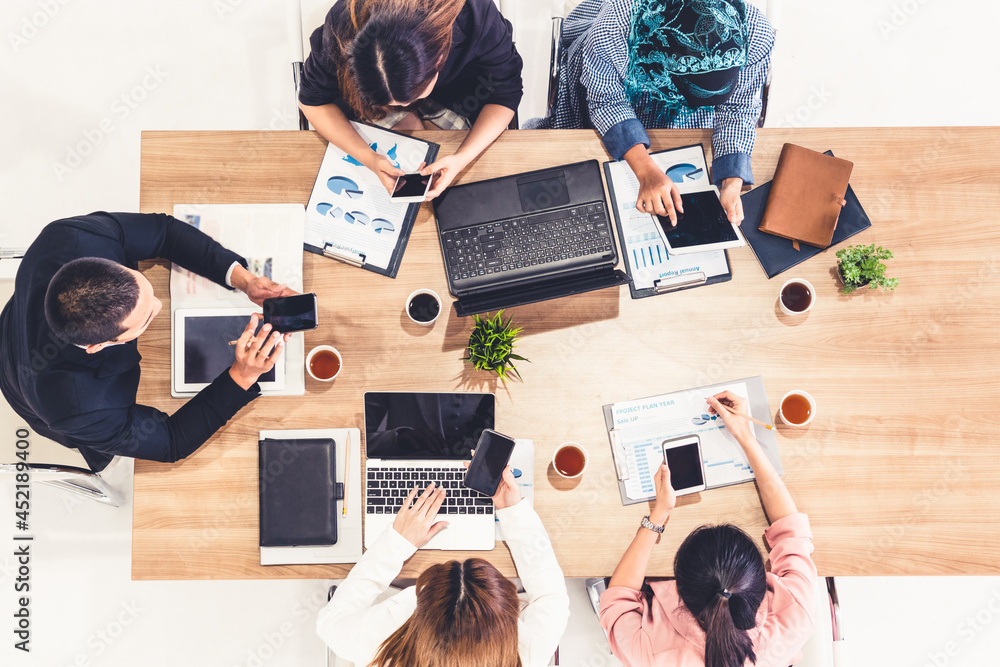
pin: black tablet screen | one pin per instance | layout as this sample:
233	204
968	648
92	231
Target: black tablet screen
207	351
703	222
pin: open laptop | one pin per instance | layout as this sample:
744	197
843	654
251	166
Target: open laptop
412	439
527	237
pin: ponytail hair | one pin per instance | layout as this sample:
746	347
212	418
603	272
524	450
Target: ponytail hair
721	580
389	50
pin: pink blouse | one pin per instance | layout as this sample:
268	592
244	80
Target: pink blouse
661	631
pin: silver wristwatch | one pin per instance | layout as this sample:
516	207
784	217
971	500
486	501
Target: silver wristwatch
646	523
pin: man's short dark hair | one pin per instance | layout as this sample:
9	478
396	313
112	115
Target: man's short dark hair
88	299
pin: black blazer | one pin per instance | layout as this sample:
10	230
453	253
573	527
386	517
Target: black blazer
87	401
483	67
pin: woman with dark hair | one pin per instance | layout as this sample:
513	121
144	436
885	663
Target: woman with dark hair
723	609
630	65
460	612
401	64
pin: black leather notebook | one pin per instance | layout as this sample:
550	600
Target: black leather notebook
776	254
298	492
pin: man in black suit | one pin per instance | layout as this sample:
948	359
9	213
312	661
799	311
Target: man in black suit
68	359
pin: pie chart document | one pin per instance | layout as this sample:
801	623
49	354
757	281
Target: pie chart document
350	215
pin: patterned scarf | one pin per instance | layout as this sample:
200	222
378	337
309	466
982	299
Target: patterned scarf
684	54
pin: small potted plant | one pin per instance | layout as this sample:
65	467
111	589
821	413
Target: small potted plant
862	265
491	346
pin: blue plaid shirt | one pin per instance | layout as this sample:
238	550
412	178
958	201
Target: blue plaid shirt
596	33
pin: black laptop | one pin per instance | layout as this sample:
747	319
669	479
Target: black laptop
529	237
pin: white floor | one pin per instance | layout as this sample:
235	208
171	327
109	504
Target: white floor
82	78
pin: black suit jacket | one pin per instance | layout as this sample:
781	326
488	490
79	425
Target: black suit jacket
87	401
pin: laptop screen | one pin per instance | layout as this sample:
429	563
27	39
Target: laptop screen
402	425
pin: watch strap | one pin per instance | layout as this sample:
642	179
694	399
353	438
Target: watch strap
646	523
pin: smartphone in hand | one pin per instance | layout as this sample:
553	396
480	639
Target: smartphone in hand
492	455
291	313
411	188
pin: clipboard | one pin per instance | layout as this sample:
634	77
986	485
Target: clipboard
660	286
758	405
331	249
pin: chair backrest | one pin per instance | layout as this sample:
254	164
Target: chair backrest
41	450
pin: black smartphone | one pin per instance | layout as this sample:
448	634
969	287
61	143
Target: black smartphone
291	313
486	469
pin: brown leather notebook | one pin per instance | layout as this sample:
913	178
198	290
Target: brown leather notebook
806	197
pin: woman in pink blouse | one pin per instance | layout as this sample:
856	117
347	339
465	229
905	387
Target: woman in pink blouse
723	609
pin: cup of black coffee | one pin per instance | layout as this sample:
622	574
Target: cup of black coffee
797	296
423	307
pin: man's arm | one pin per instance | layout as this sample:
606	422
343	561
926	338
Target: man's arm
143	432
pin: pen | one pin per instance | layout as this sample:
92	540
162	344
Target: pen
347	470
745	416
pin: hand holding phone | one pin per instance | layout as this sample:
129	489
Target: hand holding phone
291	313
411	188
488	463
683	457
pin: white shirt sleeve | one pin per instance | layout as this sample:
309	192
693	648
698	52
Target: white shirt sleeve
229	273
351	624
543	620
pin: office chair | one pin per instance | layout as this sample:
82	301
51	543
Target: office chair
48	462
561	8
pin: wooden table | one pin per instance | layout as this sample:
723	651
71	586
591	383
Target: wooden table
899	472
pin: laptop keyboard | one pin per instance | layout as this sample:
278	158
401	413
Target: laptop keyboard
530	240
386	489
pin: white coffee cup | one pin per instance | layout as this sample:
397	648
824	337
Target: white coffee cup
812	297
565	445
323	348
418	293
805	395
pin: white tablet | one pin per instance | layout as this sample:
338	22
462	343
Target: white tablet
202	350
703	226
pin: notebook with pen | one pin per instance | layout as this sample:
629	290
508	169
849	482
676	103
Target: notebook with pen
652	269
310	496
350	216
776	254
637	429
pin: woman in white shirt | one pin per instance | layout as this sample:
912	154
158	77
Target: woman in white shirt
459	612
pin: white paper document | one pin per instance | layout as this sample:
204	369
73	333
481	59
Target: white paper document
644	250
350	209
269	238
642	426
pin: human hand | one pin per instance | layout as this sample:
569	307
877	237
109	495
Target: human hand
256	355
416	523
508	492
732	203
445	170
386	171
666	498
738	426
257	288
658	194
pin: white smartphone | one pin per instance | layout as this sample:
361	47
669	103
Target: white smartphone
683	457
411	188
703	225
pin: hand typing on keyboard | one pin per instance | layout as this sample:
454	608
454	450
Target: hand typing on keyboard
416	518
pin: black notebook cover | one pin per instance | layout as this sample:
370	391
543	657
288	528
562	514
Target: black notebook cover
775	253
298	492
